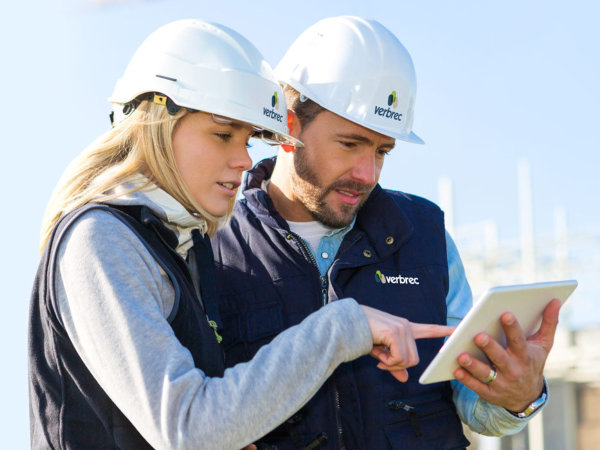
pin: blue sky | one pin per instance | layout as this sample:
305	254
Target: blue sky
496	82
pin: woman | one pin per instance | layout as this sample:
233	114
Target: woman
124	330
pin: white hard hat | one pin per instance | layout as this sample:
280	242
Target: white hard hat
357	69
206	67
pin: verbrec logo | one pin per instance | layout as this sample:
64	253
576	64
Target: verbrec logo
399	279
271	112
392	102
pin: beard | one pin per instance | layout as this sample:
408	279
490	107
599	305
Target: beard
312	194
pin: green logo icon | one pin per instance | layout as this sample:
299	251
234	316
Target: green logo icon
379	277
275	101
215	327
393	100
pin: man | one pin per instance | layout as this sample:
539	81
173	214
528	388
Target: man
315	227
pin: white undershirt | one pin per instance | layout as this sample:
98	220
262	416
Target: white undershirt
311	232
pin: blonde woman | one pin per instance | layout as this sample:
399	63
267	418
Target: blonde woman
124	343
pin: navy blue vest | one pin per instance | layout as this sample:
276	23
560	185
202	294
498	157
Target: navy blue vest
68	409
267	282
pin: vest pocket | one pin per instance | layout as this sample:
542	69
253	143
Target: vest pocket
263	322
244	333
440	430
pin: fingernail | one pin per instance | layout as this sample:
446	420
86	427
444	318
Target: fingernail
466	361
459	375
483	340
509	319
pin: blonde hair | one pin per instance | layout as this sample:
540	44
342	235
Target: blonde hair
139	144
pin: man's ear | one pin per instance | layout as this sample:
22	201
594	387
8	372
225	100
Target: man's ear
294	129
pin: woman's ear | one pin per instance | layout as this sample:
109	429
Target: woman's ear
293	129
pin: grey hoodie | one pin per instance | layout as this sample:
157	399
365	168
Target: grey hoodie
113	301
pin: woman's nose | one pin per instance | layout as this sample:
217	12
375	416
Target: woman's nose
241	159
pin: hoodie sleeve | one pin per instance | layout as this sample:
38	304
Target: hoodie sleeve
113	300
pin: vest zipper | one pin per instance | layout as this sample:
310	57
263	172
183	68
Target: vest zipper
308	255
195	283
215	327
325	300
337	416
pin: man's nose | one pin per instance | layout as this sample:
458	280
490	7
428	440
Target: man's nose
365	169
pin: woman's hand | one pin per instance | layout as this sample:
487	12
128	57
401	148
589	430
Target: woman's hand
394	340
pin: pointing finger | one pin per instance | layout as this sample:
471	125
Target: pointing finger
425	330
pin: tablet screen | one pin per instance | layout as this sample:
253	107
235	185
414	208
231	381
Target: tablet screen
525	301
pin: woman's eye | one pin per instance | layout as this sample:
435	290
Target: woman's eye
225	137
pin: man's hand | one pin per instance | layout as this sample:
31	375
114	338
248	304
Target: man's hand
519	367
394	340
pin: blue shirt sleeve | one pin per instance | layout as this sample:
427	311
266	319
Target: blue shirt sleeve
479	415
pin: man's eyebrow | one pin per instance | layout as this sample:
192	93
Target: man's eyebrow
364	139
391	145
355	137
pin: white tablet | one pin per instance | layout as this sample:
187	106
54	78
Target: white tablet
525	301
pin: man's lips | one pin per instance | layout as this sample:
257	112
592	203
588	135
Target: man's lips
349	196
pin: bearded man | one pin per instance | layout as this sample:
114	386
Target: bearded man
315	226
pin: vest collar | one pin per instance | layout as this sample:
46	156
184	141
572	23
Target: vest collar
384	222
171	213
258	200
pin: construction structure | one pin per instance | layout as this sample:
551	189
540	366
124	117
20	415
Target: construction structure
570	420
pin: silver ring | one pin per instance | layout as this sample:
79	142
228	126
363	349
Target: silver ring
491	376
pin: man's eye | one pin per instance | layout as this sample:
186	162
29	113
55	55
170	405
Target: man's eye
248	145
348	144
383	152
